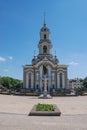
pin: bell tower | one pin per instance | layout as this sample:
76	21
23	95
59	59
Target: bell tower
44	43
45	46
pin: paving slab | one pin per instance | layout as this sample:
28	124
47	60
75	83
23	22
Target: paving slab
24	122
14	112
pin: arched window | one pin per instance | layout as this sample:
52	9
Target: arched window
44	49
37	86
29	80
44	36
61	80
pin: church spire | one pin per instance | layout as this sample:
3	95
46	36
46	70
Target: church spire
44	20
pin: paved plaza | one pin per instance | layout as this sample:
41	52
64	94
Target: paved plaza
14	112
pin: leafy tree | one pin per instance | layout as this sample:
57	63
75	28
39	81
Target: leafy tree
17	84
5	81
11	83
85	83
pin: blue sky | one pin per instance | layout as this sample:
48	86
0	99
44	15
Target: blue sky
20	23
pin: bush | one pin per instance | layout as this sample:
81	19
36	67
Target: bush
79	91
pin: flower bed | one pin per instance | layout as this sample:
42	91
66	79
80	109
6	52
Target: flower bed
44	107
45	110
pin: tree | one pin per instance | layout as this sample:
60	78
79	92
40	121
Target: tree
85	83
6	82
11	83
18	84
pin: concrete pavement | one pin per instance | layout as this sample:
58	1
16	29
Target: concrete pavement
14	113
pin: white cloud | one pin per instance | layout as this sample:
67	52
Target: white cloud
10	57
6	70
2	59
73	63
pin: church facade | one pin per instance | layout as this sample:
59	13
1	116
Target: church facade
45	63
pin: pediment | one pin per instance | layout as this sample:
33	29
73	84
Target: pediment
45	61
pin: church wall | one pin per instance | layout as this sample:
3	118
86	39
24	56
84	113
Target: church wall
53	75
24	79
53	79
37	81
44	33
28	75
64	78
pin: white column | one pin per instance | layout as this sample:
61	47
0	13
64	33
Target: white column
37	76
42	50
49	78
63	80
27	80
58	81
32	80
41	70
53	76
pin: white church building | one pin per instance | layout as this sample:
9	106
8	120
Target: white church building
45	63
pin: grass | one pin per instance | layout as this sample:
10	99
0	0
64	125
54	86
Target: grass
44	107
